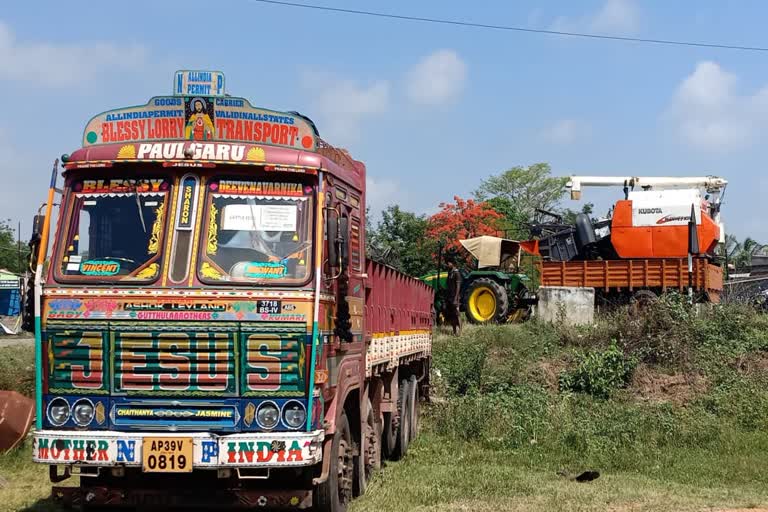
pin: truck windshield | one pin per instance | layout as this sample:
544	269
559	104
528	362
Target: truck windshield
115	230
257	231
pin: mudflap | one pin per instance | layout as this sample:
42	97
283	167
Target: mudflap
237	498
16	414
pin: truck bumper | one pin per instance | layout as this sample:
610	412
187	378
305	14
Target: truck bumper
210	499
210	451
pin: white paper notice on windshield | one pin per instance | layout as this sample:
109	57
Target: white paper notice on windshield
260	217
240	217
278	217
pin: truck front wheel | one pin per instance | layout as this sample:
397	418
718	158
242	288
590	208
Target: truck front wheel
335	493
486	301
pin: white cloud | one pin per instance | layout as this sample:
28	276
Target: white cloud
709	113
54	65
380	193
437	79
567	131
615	17
342	104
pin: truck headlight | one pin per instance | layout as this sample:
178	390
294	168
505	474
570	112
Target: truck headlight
82	412
267	415
294	414
58	412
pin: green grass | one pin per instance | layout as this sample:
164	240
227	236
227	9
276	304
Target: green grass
17	369
502	425
508	418
442	475
23	484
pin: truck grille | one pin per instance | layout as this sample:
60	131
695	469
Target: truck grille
172	363
275	364
76	362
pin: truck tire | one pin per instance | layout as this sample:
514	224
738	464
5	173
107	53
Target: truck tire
335	493
389	437
486	301
369	459
403	429
415	409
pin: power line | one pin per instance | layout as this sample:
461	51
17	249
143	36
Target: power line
669	42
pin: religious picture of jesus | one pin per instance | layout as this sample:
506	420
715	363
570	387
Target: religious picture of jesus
199	124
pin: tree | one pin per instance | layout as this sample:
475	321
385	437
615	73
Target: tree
569	216
519	191
9	249
740	253
400	240
463	219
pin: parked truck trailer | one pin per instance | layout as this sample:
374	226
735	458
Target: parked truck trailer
209	330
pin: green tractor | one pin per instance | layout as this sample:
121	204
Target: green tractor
497	291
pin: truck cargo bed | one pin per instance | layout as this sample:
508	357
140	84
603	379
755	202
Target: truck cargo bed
634	274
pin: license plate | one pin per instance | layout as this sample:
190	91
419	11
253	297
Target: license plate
167	454
269	307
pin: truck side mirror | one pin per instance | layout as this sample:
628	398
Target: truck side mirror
332	233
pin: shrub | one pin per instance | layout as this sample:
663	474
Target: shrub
599	372
461	362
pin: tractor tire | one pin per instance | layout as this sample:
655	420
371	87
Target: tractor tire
486	302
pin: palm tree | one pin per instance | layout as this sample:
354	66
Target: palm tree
740	253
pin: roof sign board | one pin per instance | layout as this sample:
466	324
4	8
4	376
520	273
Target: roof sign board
203	119
200	111
198	83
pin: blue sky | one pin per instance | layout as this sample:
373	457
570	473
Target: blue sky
431	109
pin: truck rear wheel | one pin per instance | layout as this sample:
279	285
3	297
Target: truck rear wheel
335	493
486	301
415	407
403	428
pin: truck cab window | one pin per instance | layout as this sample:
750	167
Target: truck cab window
115	230
257	232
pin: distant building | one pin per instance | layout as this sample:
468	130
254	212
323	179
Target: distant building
10	293
759	266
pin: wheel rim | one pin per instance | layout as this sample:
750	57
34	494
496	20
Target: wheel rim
482	304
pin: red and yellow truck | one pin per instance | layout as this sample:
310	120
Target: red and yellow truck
208	328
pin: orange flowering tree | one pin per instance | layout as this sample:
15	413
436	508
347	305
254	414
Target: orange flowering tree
462	219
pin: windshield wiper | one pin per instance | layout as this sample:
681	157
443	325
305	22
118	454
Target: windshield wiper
138	206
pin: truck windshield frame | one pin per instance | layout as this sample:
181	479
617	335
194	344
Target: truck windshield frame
237	245
114	231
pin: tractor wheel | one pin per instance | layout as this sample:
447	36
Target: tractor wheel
486	301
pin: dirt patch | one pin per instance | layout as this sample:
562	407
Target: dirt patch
754	364
653	386
547	372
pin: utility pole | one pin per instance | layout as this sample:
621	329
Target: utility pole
18	246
